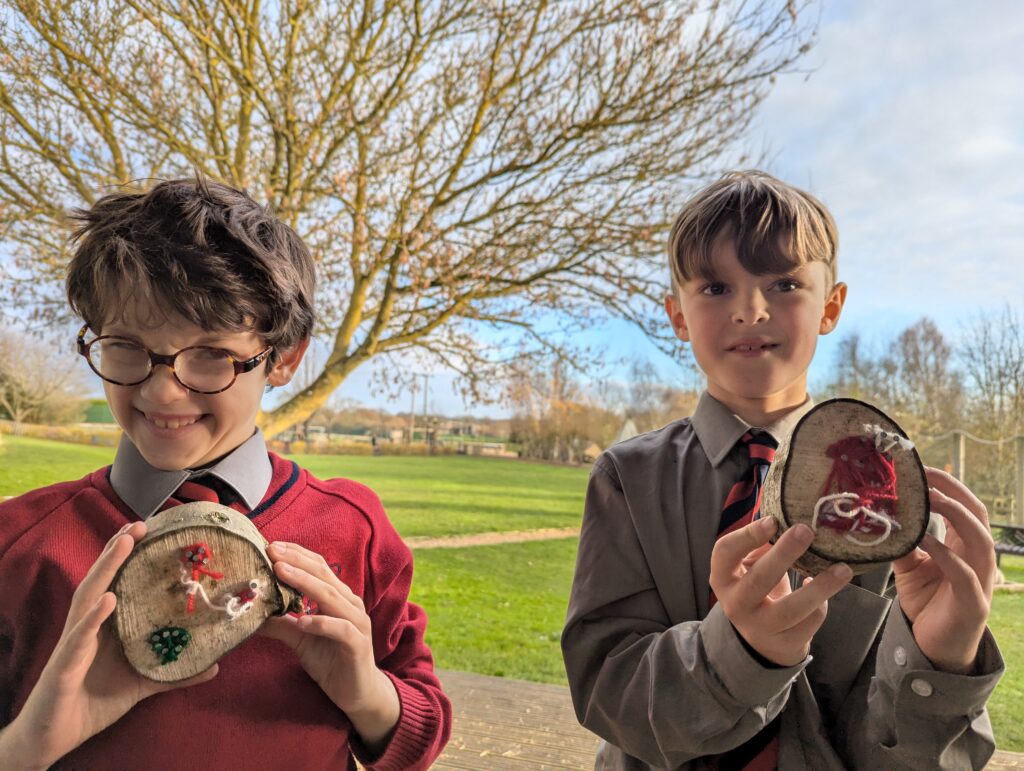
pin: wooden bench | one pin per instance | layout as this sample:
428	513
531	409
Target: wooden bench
1009	539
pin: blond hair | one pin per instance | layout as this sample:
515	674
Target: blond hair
776	228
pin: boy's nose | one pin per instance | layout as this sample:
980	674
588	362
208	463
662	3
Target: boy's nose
162	387
750	309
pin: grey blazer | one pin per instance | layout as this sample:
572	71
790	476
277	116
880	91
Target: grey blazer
664	681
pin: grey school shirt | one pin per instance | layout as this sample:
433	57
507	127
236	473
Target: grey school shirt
247	469
664	681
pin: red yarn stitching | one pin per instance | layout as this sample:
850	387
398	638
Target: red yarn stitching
197	557
247	595
859	468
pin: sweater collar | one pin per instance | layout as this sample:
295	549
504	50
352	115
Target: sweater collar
247	469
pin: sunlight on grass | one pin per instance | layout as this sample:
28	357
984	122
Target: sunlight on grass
1007	703
443	495
497	610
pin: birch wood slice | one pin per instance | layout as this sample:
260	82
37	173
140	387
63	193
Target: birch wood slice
803	472
159	637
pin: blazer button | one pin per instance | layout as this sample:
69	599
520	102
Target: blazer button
900	656
921	687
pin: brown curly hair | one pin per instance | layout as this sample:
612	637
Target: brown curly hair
197	249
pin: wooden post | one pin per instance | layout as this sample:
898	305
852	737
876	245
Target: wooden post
1017	517
412	412
959	455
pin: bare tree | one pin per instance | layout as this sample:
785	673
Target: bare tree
855	373
457	166
32	390
921	381
915	380
651	403
992	353
554	419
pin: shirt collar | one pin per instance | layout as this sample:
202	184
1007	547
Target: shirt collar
247	469
718	428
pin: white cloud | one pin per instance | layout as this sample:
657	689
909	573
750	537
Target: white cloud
910	127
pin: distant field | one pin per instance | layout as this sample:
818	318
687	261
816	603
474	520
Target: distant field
447	495
26	463
441	495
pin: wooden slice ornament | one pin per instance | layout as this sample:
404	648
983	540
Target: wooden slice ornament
199	584
850	473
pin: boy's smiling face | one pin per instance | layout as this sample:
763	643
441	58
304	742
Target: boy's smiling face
754	335
175	428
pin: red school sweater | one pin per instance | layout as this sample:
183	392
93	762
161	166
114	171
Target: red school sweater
262	710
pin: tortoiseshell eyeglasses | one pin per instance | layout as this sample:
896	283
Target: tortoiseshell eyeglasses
201	369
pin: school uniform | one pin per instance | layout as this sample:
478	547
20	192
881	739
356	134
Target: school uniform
262	710
666	680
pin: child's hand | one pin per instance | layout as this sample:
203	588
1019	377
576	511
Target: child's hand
87	684
335	647
945	589
749	578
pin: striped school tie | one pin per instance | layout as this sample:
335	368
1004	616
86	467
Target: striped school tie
761	751
207	488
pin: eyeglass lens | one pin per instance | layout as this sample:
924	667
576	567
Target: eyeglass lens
201	369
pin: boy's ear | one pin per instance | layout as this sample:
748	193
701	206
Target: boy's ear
287	363
833	307
675	317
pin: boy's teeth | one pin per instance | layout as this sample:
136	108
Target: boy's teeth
172	423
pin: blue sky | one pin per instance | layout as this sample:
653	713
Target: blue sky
907	120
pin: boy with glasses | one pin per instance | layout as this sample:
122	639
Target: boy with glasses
195	299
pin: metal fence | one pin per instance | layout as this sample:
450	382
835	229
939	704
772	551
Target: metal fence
992	468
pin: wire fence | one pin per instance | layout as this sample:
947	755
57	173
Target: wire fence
992	468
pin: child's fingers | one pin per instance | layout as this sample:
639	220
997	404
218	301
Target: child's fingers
975	537
811	598
755	555
313	563
283	628
767	571
338	629
910	561
730	550
800	634
331	595
102	572
953	488
76	651
966	585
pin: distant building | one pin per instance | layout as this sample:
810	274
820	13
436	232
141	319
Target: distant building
628	431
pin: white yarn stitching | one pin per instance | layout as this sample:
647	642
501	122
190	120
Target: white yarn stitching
233	607
888	522
886	440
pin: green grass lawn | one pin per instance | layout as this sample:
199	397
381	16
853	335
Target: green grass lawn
454	494
440	495
1013	568
497	610
1007	703
27	463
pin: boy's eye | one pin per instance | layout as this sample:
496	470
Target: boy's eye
788	285
714	289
